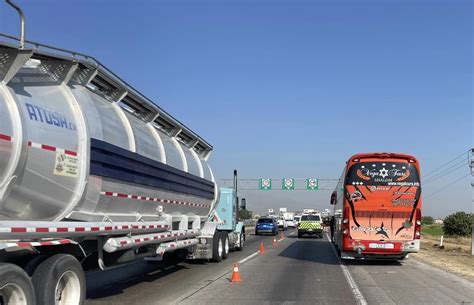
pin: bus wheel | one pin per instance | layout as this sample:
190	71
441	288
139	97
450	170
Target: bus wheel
60	280
15	286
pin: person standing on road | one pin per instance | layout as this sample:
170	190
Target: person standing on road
331	227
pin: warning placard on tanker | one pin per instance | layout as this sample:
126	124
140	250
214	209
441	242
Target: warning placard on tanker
66	165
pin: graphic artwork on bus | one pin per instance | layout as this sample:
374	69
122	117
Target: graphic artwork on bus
372	187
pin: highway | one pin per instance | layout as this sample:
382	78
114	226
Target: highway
296	271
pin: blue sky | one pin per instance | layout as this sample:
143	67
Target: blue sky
290	88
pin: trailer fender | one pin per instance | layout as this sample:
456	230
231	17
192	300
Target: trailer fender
240	228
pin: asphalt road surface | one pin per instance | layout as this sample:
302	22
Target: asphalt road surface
296	271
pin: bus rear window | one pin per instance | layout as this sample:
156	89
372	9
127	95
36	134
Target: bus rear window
383	173
310	218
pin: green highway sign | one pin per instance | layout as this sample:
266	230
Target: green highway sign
265	184
312	184
288	184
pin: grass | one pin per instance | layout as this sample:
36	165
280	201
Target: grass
434	230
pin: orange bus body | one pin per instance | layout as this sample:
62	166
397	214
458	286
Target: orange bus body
377	207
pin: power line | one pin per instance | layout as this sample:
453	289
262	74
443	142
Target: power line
447	163
445	172
446	186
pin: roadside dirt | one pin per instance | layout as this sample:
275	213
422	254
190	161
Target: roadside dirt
455	257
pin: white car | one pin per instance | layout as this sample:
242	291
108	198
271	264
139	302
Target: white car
290	223
282	224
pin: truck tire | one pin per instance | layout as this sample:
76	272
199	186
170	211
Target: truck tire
60	280
217	248
300	235
240	247
15	286
226	244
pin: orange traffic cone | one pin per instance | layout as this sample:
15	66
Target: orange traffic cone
282	237
236	274
274	241
262	248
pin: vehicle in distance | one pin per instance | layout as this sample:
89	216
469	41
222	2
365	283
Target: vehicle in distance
310	224
327	220
377	205
290	223
297	219
282	224
266	225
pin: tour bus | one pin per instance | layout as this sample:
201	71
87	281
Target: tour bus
379	195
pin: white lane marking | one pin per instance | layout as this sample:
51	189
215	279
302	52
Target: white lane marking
350	280
255	254
242	261
248	257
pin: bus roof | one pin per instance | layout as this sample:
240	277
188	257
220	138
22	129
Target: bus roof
383	155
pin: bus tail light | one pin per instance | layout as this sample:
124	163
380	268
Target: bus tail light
417	224
345	222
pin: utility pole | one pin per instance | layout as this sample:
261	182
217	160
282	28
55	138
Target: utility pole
471	165
236	195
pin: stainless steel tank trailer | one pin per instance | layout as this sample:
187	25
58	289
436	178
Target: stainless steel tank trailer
91	169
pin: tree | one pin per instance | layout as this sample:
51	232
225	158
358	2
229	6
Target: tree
459	223
244	214
427	220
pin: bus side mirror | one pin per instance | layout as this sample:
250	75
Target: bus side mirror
333	198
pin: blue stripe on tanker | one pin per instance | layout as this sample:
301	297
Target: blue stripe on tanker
110	161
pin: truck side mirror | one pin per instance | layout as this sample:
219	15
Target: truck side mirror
333	198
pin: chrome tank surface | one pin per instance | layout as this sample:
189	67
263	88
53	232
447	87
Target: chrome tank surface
77	142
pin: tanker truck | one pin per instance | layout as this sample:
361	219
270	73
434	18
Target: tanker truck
94	174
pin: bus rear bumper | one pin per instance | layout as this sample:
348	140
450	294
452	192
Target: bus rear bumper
362	249
412	246
373	256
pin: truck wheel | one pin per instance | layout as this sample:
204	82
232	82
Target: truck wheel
15	286
217	248
299	235
226	244
240	247
60	280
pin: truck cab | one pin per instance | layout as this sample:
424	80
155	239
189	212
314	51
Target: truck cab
223	231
